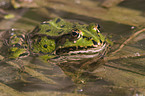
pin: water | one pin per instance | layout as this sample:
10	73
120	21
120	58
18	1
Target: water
122	75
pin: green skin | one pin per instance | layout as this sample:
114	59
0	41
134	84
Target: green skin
56	34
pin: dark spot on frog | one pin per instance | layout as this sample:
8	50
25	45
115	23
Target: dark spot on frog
45	46
58	20
90	47
84	37
39	39
25	47
62	26
60	31
95	43
98	26
23	54
100	41
104	42
40	52
17	45
79	47
98	35
48	30
48	52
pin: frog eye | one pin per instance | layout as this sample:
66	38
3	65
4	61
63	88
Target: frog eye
75	33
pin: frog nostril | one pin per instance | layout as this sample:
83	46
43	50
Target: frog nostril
95	43
45	46
89	38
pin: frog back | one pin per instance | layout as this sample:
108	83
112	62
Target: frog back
55	27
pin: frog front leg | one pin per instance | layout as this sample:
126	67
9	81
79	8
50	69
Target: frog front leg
18	46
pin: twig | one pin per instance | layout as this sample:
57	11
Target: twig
131	37
123	57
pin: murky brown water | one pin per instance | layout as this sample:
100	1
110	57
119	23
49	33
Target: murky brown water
115	77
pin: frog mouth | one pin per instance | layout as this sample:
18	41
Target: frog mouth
81	50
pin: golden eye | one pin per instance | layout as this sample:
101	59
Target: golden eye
75	33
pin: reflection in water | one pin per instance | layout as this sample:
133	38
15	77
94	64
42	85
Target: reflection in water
79	71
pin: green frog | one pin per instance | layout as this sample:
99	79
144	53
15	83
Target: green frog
53	38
